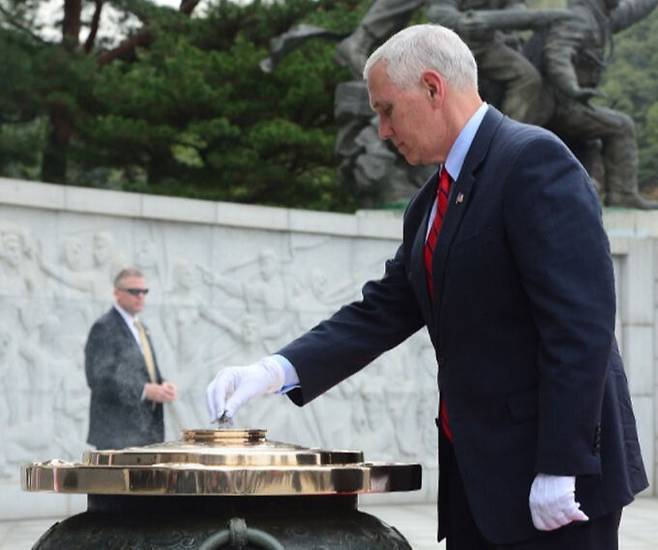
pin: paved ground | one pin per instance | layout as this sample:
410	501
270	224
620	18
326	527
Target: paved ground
417	522
639	524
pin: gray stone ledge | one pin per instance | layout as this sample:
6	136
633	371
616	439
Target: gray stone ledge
257	217
372	224
28	193
624	222
620	223
100	201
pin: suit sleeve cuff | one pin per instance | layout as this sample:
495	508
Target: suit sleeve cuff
291	380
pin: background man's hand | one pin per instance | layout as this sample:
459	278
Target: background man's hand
553	502
160	393
234	386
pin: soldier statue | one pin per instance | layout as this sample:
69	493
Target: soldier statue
574	58
549	80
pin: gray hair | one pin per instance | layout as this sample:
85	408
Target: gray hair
127	272
425	47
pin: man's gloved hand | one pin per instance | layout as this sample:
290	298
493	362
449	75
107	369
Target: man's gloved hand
553	502
234	386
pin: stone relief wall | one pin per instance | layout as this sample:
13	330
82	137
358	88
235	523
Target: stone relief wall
230	284
218	296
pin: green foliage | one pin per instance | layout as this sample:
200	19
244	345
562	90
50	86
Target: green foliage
21	127
192	114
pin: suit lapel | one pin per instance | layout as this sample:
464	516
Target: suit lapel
122	326
127	335
460	198
418	278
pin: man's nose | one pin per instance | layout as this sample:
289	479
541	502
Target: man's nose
385	131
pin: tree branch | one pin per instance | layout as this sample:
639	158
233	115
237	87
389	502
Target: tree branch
141	38
93	31
187	6
20	27
127	47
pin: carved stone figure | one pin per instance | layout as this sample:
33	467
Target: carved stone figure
46	306
377	420
146	259
11	376
511	79
74	274
17	261
384	18
574	58
480	23
485	25
265	295
371	163
183	317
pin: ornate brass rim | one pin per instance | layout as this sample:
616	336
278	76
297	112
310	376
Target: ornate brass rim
181	479
222	463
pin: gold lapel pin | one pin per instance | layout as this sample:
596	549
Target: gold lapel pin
460	198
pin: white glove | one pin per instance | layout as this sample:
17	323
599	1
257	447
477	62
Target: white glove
553	502
234	386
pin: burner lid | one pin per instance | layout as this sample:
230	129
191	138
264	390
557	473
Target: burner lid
226	462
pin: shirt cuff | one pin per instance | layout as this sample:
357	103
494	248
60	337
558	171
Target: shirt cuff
291	380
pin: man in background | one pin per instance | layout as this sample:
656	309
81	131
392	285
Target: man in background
127	389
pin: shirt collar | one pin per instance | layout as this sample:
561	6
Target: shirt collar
459	149
129	319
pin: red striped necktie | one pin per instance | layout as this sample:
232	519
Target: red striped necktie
442	194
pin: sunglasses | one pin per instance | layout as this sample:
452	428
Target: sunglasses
136	291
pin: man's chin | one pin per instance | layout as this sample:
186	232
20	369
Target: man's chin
410	160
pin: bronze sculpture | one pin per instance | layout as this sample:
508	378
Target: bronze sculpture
574	58
548	79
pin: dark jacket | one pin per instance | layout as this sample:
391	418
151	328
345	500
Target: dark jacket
522	325
116	374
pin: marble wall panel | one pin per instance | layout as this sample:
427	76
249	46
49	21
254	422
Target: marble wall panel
220	295
225	292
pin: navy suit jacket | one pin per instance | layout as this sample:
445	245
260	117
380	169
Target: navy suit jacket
522	325
116	374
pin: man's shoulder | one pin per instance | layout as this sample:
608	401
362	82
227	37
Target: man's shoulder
501	135
521	130
519	135
110	318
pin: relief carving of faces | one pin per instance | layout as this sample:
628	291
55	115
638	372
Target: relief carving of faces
318	282
373	405
400	400
73	254
102	248
249	329
184	275
12	245
267	263
145	254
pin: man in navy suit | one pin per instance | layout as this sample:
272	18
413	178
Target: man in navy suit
127	389
505	260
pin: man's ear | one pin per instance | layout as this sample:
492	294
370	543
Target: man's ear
434	85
